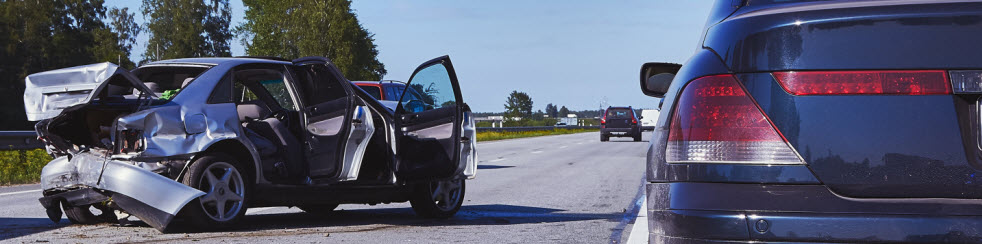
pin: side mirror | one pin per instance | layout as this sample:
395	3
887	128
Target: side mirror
640	117
657	77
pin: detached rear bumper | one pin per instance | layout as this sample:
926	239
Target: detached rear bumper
153	198
744	213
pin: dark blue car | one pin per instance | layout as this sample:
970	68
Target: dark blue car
821	121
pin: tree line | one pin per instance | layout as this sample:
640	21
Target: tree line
36	36
518	107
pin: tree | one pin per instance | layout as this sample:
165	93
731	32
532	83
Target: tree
115	42
518	105
298	28
37	36
187	28
563	112
551	110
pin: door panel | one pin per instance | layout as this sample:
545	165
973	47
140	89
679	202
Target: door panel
362	128
327	110
428	117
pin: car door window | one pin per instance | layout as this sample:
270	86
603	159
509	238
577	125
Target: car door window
431	89
278	89
318	85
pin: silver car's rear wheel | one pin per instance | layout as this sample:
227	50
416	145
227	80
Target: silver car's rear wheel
223	200
226	192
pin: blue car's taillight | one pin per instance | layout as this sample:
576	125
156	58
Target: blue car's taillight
874	82
715	121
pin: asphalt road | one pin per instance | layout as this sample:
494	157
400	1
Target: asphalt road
554	189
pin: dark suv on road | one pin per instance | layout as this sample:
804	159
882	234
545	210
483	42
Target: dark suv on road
821	121
619	122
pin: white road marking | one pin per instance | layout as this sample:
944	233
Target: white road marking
497	160
257	210
561	147
536	151
18	192
639	233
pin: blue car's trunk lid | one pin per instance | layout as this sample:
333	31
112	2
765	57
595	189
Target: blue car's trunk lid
890	146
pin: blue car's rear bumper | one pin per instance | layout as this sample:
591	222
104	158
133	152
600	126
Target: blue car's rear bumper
740	213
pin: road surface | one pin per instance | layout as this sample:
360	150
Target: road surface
554	189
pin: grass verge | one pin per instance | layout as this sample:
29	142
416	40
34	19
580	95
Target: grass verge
494	136
22	166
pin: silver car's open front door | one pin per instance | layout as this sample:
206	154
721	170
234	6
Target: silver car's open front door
429	119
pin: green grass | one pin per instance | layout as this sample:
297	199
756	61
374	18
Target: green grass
493	136
22	166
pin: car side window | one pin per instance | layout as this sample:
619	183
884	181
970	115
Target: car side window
263	81
392	93
277	88
430	88
317	84
242	94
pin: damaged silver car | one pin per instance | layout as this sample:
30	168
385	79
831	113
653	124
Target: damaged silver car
203	139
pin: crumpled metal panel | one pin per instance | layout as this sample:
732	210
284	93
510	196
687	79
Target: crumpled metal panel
47	93
168	132
92	169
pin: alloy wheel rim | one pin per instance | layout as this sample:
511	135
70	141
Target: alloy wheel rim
225	191
446	194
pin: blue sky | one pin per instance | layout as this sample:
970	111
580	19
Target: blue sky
572	53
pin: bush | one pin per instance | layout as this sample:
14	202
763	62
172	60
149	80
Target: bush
22	166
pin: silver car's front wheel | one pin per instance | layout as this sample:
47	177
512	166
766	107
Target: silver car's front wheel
226	192
438	199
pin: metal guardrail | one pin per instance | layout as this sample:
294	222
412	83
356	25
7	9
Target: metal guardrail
22	140
19	140
532	128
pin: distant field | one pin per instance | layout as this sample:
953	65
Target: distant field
22	166
493	136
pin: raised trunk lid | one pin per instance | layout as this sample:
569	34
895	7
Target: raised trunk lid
48	93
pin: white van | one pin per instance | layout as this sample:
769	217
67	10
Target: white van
648	119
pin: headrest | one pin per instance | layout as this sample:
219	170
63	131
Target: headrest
186	81
252	111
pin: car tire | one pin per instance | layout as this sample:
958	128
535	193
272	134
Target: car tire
226	188
438	199
637	137
604	137
319	209
82	215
